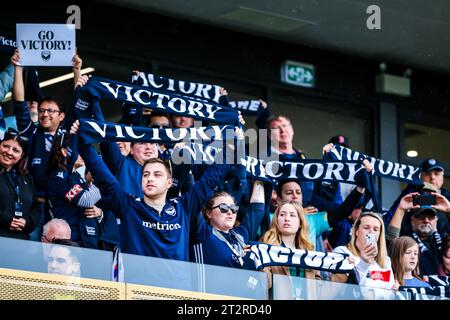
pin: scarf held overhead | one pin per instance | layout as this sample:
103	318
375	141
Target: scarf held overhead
97	89
265	255
387	169
304	170
94	131
214	138
247	107
205	92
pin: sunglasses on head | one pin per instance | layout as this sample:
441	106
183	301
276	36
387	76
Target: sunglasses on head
12	133
224	208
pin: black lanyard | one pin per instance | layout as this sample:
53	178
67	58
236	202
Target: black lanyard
14	183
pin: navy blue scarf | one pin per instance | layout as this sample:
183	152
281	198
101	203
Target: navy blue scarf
199	91
247	107
7	44
440	291
86	104
387	169
94	131
211	141
265	255
307	169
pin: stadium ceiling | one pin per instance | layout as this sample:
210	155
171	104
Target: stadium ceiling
414	33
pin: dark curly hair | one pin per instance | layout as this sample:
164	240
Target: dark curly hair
57	160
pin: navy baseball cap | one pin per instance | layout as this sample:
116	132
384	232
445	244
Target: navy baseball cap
431	164
423	211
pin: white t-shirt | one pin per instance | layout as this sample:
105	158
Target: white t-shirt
371	275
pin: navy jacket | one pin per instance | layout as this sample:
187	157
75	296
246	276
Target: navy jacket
38	157
126	170
30	206
64	192
211	250
144	231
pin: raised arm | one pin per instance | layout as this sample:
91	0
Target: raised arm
21	110
252	219
406	203
76	67
18	87
110	189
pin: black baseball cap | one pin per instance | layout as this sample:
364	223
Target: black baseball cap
431	164
423	211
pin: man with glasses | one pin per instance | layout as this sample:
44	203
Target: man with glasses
51	115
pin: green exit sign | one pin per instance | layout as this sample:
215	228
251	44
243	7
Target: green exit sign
299	74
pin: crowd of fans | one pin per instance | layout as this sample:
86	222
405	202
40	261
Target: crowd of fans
128	195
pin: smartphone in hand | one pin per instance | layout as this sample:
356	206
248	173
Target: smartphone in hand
424	200
371	239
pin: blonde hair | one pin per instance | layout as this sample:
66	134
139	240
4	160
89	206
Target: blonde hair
273	236
381	243
397	250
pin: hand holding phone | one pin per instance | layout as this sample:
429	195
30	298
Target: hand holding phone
424	200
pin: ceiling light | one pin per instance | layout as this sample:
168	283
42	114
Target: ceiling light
412	153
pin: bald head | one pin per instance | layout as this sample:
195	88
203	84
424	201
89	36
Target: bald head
56	229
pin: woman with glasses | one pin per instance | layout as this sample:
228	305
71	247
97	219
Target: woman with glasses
19	209
223	242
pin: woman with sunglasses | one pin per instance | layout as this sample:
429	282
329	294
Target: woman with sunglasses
222	242
19	209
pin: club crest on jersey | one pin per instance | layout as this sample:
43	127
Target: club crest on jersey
171	211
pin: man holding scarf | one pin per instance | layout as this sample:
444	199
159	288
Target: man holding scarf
154	226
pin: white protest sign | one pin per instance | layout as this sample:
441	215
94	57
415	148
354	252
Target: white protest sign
45	44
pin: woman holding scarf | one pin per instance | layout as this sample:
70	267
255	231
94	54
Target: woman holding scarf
289	228
223	241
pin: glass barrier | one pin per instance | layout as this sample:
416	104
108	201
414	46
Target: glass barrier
418	296
295	288
172	274
55	259
97	264
194	277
